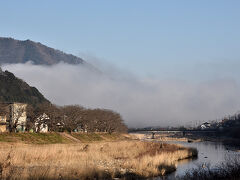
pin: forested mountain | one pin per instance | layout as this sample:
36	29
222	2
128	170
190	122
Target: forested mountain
14	51
13	89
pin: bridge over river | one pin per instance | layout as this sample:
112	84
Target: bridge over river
187	134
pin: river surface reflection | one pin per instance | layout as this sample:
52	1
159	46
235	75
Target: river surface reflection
212	153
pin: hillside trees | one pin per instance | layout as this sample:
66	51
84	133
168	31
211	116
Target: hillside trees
3	109
231	126
13	89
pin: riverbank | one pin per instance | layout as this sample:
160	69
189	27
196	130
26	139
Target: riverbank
218	157
230	143
60	138
164	137
99	159
226	171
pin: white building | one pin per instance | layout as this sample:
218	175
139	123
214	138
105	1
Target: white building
18	116
41	123
3	123
205	125
13	117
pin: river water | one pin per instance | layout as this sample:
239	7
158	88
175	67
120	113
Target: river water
212	153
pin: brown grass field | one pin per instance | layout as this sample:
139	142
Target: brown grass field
125	159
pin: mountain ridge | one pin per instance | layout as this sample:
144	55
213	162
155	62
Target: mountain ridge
14	51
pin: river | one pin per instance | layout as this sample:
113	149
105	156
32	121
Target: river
212	153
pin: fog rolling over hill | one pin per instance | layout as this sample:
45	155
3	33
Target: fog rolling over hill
14	51
66	79
141	102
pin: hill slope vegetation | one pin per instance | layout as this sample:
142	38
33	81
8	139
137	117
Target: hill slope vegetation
13	89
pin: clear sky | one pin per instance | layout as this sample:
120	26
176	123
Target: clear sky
171	39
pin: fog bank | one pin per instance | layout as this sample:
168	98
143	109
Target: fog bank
140	101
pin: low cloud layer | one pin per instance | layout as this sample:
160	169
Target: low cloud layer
141	102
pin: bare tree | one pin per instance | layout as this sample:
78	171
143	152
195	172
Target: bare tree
74	117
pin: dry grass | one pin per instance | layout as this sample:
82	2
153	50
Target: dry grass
102	160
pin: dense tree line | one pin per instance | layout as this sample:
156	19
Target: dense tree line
231	126
76	118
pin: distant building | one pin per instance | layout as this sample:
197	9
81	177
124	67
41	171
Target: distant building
13	116
3	123
41	124
205	125
81	128
18	116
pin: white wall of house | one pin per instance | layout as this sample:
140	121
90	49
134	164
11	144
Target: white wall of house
16	115
41	124
3	119
42	128
19	115
3	123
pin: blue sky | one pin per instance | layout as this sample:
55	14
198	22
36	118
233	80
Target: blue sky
185	39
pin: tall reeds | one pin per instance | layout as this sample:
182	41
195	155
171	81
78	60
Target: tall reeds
100	160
